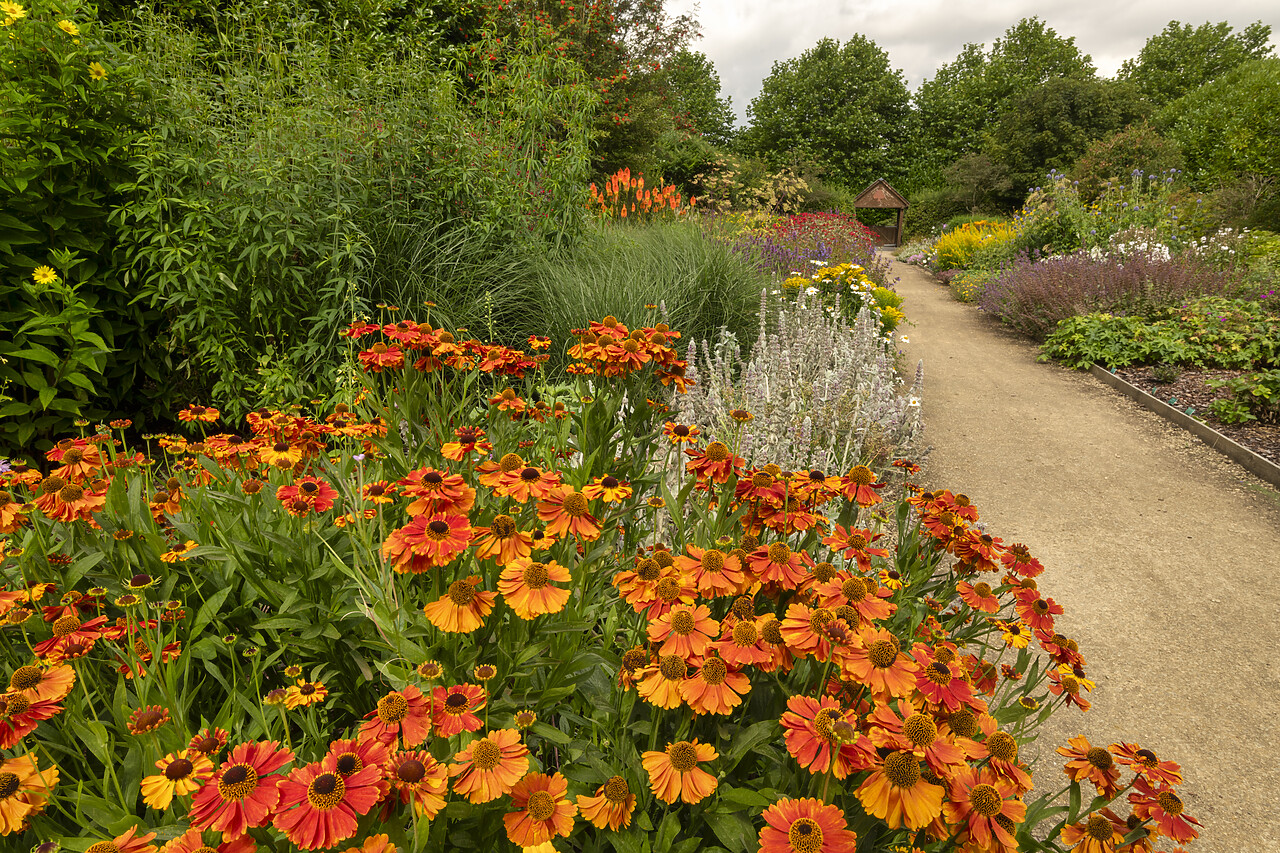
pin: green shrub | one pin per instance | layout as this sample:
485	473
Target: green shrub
69	115
1209	332
279	192
1254	397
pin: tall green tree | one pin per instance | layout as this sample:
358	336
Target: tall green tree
842	106
965	96
1229	130
1052	125
693	93
1181	58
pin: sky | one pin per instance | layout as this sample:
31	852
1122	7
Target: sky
745	37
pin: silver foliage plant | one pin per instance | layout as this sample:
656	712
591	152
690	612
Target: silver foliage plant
822	395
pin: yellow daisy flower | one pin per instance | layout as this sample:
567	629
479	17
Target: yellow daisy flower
69	28
96	71
42	274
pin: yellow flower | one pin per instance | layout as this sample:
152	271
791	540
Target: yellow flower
43	274
96	71
69	28
12	12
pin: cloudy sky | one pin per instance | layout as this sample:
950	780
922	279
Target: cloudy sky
745	37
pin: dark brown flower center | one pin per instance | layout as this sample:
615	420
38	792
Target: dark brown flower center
616	790
805	836
986	800
462	593
25	678
348	763
238	782
1002	746
503	527
682	622
1170	803
326	791
963	723
683	756
861	475
673	667
745	634
717	452
575	505
541	806
921	730
902	769
779	553
714	671
411	770
9	785
1099	828
392	708
179	768
1099	758
536	576
486	754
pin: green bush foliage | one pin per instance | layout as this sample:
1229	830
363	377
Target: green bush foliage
1211	332
69	117
288	172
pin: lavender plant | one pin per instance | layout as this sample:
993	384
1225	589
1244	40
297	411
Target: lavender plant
812	392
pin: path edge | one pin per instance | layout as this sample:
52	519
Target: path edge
1262	467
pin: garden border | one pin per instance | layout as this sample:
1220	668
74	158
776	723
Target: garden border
1254	463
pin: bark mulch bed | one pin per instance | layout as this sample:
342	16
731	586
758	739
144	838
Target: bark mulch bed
1191	393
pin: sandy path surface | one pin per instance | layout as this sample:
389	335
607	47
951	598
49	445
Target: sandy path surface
1164	555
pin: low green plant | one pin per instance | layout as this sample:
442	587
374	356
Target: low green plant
1254	397
1210	332
967	285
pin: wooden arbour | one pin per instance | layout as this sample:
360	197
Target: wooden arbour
880	195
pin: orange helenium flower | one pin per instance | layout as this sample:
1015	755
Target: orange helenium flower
304	693
674	773
453	708
527	587
401	713
683	630
612	805
181	773
243	792
805	826
566	513
416	777
896	793
24	791
490	766
809	730
715	688
463	608
542	811
320	807
1095	763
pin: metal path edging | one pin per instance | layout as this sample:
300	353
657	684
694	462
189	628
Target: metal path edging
1256	464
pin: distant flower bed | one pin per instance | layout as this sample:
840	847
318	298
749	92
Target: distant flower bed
465	609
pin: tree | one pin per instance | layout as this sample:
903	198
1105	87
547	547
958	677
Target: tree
1137	147
693	94
1030	54
958	105
1229	129
1051	126
954	108
840	105
1180	58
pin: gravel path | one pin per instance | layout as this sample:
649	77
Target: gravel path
1164	554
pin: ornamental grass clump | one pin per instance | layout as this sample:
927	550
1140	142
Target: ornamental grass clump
439	614
819	394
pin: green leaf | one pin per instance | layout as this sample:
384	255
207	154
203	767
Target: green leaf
734	831
743	797
667	832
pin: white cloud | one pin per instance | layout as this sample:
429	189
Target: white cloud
745	37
